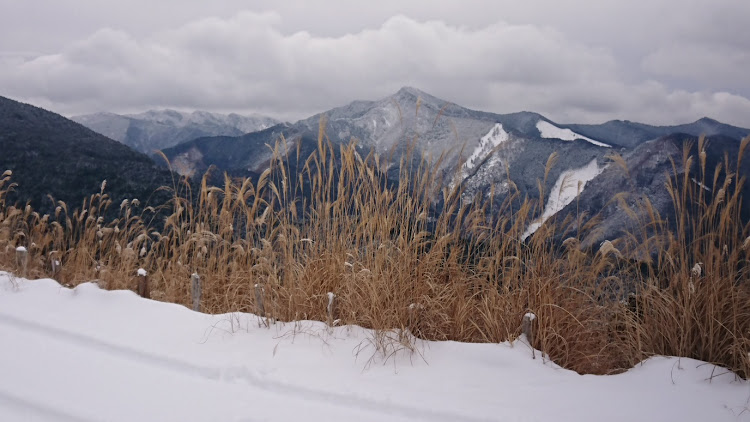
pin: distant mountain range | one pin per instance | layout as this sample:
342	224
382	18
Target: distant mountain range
481	152
158	129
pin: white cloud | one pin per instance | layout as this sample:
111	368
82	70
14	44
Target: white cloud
248	62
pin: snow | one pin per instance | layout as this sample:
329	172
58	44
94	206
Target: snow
142	272
564	191
496	136
530	316
86	354
205	119
550	131
21	249
702	186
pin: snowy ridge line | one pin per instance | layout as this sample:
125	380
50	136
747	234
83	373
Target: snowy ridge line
231	374
39	410
496	136
550	131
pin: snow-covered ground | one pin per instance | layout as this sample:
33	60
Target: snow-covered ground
85	354
566	189
550	131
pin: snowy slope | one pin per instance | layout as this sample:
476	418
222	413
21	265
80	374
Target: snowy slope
485	166
496	136
565	190
91	355
550	131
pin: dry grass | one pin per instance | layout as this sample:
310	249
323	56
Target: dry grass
394	264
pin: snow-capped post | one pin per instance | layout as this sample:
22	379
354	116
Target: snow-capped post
195	290
22	260
55	265
259	300
330	308
143	288
527	327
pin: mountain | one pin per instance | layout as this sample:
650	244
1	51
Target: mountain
432	125
630	134
482	151
649	166
51	155
240	155
158	129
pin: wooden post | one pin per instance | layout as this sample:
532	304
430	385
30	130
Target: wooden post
330	309
22	260
143	288
195	289
56	267
259	300
527	328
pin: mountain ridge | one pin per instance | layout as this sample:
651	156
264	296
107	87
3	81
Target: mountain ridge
154	130
486	154
51	155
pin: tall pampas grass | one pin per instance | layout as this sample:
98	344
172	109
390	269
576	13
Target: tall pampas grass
393	262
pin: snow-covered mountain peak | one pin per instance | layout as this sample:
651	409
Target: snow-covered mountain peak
409	90
164	116
409	96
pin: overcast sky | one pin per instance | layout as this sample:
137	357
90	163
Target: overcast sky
655	61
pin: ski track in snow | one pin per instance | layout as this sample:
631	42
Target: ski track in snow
33	410
550	131
85	354
230	374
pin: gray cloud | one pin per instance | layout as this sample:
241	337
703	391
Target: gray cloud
709	65
253	61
